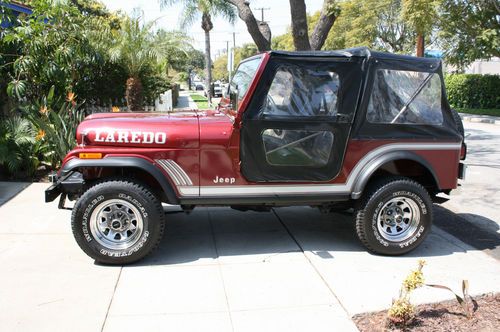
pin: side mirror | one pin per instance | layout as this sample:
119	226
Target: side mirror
233	98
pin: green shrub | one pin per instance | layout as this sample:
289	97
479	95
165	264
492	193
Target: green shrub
55	120
473	90
18	147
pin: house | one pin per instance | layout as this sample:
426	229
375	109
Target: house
15	8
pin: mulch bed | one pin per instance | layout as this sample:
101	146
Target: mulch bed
442	316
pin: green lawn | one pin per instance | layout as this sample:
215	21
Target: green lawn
200	101
480	111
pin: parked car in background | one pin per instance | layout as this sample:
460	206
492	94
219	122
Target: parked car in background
217	90
198	86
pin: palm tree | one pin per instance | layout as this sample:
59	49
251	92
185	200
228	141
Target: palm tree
174	46
207	9
134	46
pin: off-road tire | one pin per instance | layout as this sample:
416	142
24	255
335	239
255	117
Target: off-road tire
458	122
133	194
373	205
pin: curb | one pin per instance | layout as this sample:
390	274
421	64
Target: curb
480	119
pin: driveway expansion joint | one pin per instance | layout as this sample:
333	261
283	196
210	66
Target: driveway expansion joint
311	263
111	300
220	269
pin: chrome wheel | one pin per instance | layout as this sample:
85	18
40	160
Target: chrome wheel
398	219
116	224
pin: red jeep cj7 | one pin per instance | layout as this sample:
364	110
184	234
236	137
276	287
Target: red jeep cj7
352	129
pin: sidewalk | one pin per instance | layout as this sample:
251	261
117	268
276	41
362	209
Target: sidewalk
185	101
480	118
217	269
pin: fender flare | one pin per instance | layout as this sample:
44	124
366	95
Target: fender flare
125	162
367	171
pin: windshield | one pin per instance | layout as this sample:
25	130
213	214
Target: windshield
244	76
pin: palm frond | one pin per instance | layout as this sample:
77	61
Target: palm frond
194	8
224	9
190	14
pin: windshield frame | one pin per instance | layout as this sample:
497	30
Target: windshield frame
231	84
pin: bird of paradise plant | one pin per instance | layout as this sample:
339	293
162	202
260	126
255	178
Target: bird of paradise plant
56	122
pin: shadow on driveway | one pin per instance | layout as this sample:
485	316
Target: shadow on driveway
465	227
208	233
9	190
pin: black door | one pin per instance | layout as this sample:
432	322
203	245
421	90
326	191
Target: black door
298	122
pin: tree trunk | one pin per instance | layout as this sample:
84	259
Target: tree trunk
299	25
207	25
420	45
326	20
260	31
133	94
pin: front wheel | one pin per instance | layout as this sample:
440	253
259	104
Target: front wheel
118	222
394	217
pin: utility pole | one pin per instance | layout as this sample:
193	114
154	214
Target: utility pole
232	54
262	12
229	64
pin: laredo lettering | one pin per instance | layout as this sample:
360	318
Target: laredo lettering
144	137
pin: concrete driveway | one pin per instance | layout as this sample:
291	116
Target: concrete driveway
292	269
476	204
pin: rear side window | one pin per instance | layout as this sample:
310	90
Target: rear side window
405	97
298	91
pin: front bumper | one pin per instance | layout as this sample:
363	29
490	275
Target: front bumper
70	183
53	192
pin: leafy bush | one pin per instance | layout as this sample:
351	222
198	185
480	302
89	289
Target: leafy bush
19	147
55	46
56	121
473	90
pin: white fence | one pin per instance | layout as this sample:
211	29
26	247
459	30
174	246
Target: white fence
164	103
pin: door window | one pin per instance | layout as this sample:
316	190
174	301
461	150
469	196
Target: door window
298	91
285	147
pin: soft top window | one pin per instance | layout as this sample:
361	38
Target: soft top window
405	97
302	91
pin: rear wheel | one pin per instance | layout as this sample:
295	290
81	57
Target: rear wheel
118	222
394	217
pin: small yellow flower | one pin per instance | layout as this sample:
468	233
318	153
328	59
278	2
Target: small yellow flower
415	279
44	110
40	135
71	97
115	109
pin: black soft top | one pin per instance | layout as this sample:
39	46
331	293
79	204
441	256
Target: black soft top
359	52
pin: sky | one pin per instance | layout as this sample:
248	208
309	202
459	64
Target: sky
278	17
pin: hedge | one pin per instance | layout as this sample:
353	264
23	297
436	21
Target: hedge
473	90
